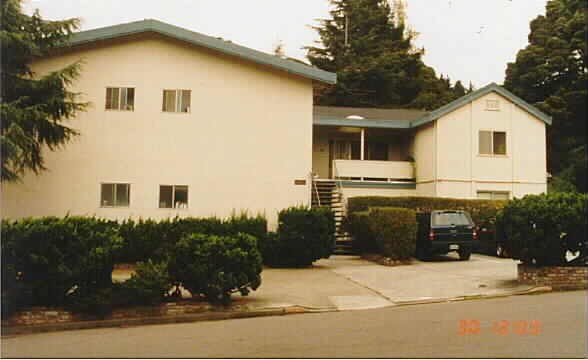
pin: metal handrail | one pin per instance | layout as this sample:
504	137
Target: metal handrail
318	199
338	185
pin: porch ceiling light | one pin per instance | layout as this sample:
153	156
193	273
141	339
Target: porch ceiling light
355	117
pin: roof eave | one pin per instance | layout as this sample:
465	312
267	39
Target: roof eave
117	31
436	114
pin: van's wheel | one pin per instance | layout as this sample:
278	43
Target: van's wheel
464	255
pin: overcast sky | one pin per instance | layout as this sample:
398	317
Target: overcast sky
469	40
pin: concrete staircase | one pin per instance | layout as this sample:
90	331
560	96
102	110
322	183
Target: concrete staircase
326	193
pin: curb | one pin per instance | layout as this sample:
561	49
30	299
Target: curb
534	290
157	320
226	315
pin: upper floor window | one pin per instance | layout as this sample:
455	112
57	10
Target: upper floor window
176	101
120	98
115	195
173	196
492	142
493	105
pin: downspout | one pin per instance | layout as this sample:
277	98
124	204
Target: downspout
472	151
435	157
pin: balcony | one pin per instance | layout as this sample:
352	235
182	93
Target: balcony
372	170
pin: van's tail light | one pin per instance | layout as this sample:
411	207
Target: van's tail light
431	236
475	234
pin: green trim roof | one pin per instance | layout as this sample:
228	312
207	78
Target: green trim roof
443	110
410	118
223	46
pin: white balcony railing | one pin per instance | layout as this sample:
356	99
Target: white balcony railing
388	170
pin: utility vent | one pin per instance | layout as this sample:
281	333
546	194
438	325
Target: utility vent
355	117
493	105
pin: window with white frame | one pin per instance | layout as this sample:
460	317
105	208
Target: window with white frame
173	196
115	195
176	101
492	142
493	105
493	195
120	98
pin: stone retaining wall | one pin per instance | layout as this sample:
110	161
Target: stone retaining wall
558	277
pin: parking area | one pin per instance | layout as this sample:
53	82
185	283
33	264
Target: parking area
443	277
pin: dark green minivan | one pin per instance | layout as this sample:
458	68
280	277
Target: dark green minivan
443	231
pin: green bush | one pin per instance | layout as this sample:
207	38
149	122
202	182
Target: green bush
357	225
46	260
304	235
483	212
395	231
541	229
387	231
150	239
216	266
149	285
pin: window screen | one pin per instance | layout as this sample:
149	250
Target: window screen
115	195
485	142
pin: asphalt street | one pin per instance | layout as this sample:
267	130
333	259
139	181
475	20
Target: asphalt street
531	326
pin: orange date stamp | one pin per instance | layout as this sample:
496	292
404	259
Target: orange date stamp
502	327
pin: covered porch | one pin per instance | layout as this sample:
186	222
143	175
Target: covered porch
362	154
363	144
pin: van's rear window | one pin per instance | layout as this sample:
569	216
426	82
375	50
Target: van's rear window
440	219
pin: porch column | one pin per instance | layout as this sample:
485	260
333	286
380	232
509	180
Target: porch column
362	144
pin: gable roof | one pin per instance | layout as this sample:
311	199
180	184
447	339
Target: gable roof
217	44
493	87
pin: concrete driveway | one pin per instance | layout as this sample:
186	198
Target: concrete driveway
443	278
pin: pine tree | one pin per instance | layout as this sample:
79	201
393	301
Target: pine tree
369	44
32	108
370	53
551	72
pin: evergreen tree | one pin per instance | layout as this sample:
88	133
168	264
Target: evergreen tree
371	54
32	108
369	45
551	73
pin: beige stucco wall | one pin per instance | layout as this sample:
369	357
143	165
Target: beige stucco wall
424	151
247	138
320	154
462	171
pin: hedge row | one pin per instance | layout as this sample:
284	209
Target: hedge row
483	212
69	261
541	229
304	235
388	231
150	239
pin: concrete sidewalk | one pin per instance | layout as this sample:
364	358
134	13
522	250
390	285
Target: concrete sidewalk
335	284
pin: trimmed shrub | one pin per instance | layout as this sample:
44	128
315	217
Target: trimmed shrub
363	240
149	239
541	229
387	231
149	285
216	266
395	231
304	236
483	212
269	247
46	260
